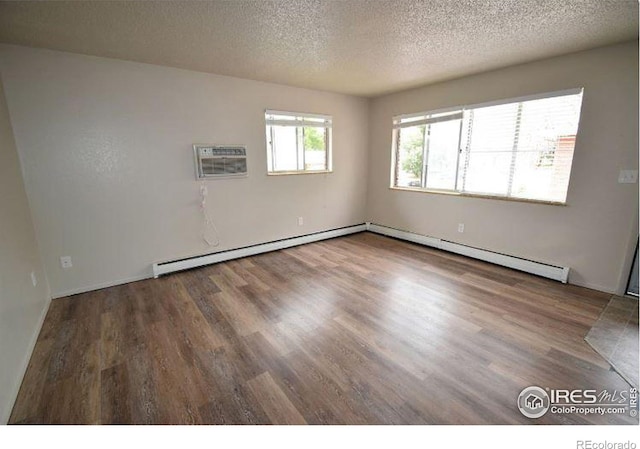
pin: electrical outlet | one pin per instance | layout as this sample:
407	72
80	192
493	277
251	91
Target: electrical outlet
65	262
460	227
300	221
34	280
628	176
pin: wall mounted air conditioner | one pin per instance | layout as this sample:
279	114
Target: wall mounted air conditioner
220	161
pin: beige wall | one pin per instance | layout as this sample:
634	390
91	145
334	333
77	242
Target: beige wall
106	148
592	234
108	163
22	305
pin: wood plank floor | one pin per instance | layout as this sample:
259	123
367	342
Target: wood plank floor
615	337
356	330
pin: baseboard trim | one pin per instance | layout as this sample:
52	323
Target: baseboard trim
529	266
198	261
25	362
90	288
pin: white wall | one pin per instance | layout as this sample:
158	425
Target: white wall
22	305
595	233
108	163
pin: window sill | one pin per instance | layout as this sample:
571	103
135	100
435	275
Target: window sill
300	172
472	195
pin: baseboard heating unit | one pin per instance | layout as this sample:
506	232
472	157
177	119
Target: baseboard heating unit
528	266
198	261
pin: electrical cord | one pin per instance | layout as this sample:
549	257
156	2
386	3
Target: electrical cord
208	224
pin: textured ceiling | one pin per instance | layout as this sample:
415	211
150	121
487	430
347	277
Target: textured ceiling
357	47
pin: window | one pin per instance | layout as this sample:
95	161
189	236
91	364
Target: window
519	148
298	143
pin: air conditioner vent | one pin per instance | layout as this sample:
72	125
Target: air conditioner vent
220	161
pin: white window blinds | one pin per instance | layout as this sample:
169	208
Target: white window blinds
519	148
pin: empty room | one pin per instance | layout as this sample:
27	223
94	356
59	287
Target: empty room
319	212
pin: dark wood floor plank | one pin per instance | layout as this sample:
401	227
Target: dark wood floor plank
143	389
230	400
273	400
360	329
29	409
75	399
115	396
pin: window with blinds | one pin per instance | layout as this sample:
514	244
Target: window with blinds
517	148
298	143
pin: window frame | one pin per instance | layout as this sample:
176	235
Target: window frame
298	121
453	113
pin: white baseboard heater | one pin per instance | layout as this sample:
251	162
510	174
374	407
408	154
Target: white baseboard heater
541	269
198	261
529	266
